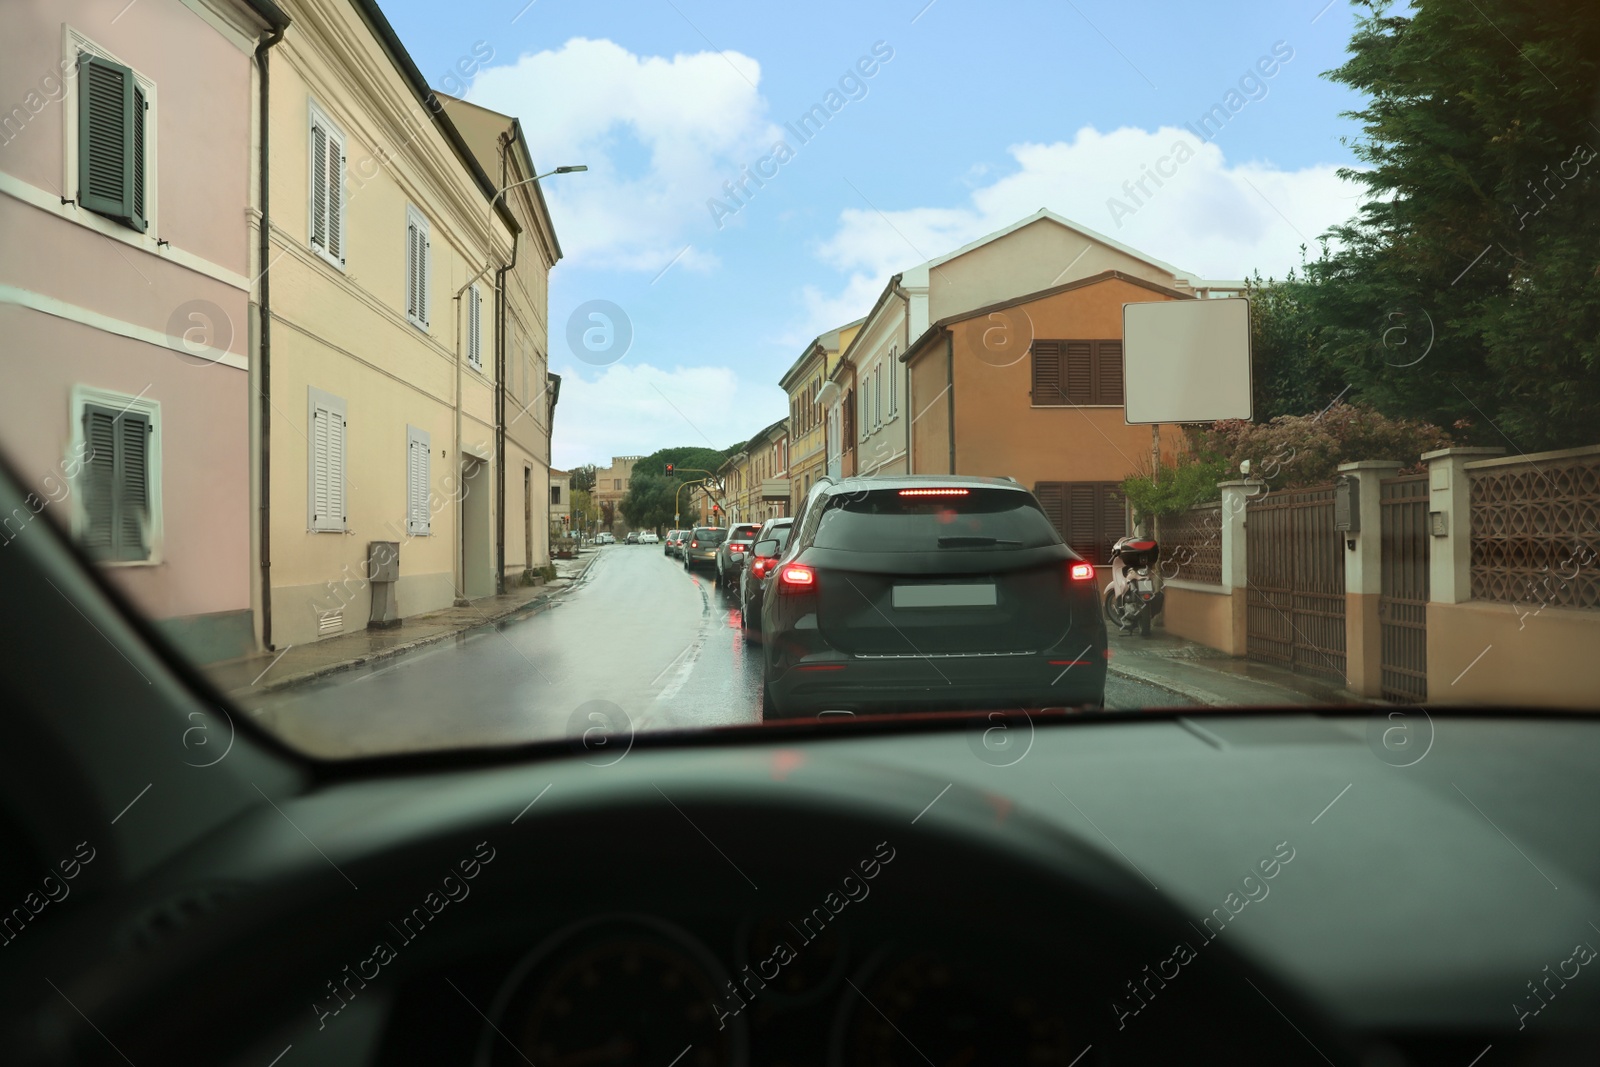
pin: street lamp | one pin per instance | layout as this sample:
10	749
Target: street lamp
559	170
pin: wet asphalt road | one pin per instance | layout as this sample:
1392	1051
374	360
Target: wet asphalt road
636	642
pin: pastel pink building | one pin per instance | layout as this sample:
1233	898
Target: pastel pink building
127	191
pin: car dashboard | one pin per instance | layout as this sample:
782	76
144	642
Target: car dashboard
1074	890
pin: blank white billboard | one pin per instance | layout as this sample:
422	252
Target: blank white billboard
1186	360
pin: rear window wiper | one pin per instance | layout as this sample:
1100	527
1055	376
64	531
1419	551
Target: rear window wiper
975	542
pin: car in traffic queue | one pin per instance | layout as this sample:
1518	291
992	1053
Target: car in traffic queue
671	543
700	548
732	552
649	537
756	574
632	538
604	539
929	592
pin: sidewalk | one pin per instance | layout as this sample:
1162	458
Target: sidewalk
262	672
1216	679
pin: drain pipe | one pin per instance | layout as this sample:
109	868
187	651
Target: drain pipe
501	309
262	364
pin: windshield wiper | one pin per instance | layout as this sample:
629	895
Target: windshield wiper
975	542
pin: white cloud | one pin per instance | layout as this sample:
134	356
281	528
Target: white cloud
1217	219
633	409
659	136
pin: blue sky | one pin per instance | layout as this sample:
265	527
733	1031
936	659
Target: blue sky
984	114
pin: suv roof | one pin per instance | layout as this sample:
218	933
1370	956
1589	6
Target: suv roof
915	481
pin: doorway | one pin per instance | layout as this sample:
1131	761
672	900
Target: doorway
477	572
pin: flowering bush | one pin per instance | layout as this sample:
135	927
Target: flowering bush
1296	450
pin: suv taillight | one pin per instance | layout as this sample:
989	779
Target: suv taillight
796	578
1080	572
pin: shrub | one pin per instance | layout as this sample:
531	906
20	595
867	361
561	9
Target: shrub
1297	450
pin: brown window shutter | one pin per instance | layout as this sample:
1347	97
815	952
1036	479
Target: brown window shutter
1047	373
1051	500
1079	370
1108	372
1083	520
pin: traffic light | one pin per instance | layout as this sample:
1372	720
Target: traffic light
669	468
565	520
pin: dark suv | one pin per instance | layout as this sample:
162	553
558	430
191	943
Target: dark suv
732	552
929	592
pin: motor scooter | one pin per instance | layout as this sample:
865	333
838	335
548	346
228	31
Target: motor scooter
1134	598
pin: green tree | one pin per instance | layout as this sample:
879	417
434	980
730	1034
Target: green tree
1465	292
653	494
583	477
1289	374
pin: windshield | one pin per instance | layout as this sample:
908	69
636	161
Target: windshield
889	522
1307	298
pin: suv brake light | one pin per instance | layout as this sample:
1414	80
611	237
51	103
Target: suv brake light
1081	572
933	492
796	578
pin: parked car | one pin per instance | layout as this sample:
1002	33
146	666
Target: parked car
700	551
732	552
673	542
929	592
756	574
604	539
632	538
649	538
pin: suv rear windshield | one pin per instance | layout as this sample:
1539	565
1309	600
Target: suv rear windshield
744	533
980	520
709	536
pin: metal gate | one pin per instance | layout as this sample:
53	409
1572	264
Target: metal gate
1294	612
1403	600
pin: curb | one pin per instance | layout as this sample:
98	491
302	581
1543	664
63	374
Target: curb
1199	696
533	606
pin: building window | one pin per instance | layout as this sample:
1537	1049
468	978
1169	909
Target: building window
118	519
1089	516
1070	373
115	140
894	384
555	495
417	255
475	327
327	188
325	481
419	484
877	395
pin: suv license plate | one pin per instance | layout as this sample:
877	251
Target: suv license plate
966	595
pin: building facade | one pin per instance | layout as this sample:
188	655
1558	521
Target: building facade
525	402
377	358
1031	255
610	487
1052	419
808	415
127	173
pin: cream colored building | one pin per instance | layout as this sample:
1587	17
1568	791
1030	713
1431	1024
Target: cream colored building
525	407
808	416
374	344
610	486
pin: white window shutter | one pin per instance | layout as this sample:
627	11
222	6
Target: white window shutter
336	197
418	481
336	440
319	187
422	293
326	469
475	328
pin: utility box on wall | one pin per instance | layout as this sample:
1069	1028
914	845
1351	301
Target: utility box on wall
1347	504
383	571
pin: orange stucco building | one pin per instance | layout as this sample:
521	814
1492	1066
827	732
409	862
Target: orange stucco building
1031	388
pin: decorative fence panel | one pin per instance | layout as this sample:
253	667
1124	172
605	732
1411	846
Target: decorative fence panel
1191	544
1536	530
1294	614
1403	597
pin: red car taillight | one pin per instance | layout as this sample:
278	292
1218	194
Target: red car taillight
758	567
735	548
694	544
1080	572
796	578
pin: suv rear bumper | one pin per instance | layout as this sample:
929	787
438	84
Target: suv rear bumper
1070	675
